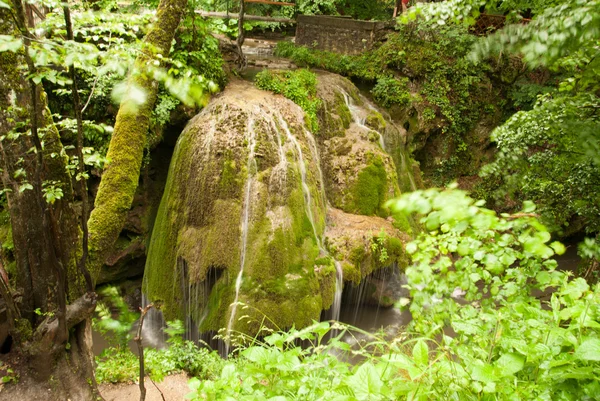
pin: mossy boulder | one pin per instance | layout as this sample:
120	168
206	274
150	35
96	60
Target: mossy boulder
364	244
359	175
238	162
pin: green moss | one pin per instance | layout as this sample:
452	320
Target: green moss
376	121
334	118
370	189
120	178
327	281
395	251
342	110
230	181
351	273
357	255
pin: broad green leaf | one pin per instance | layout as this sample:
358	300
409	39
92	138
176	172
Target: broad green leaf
25	187
411	248
559	248
366	382
509	364
256	354
9	43
420	353
589	350
484	373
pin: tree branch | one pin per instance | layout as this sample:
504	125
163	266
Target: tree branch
138	340
79	150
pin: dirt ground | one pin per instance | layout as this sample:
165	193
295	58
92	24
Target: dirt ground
174	388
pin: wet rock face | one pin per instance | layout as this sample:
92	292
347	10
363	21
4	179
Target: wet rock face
359	174
248	210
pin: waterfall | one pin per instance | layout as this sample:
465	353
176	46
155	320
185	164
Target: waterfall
153	334
359	116
339	283
252	167
413	185
315	154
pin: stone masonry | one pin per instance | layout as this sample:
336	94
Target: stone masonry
341	35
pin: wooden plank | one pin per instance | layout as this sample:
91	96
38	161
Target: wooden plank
273	3
213	14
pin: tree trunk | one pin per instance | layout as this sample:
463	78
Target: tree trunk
126	150
45	235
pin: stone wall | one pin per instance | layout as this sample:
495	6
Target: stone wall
341	35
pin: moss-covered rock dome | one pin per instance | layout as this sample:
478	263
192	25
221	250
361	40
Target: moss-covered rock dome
250	189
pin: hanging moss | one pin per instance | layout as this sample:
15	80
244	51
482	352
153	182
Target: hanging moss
351	273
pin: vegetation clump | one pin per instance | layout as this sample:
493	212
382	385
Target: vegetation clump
300	86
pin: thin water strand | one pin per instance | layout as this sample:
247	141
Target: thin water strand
251	165
359	115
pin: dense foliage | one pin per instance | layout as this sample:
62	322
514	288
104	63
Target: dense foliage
550	153
119	364
431	57
360	9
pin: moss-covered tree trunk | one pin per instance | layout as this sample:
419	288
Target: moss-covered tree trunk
126	150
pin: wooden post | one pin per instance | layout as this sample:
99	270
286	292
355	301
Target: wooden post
240	38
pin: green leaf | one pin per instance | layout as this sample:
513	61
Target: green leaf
509	364
411	248
25	187
9	43
421	353
484	373
559	248
589	350
4	5
366	382
256	354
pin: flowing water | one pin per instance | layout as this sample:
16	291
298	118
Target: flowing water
339	276
252	168
359	114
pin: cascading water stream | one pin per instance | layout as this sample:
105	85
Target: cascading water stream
315	154
359	116
252	167
339	283
411	179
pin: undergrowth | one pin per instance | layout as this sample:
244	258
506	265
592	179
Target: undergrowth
431	57
118	364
